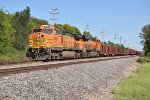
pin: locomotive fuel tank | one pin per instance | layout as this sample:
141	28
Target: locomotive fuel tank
68	54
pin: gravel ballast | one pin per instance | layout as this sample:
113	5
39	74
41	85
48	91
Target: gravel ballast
89	81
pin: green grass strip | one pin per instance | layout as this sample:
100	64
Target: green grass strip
136	87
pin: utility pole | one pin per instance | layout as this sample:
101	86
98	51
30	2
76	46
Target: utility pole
124	43
102	33
128	45
120	39
87	28
115	37
53	12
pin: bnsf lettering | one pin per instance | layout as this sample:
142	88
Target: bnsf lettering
38	40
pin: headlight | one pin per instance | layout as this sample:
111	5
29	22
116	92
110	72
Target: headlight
38	35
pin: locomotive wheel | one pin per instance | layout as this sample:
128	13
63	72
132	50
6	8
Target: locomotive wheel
56	57
52	57
46	60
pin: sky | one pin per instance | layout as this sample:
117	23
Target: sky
105	18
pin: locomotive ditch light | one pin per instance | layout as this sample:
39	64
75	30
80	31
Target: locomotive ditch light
38	35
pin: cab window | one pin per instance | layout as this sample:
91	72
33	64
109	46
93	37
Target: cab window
48	31
57	31
37	30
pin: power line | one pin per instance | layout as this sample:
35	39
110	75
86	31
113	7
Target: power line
27	2
24	3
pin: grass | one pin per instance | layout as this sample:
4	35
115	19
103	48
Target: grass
136	87
19	57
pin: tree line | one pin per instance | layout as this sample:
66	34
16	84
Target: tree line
109	43
14	29
145	36
71	29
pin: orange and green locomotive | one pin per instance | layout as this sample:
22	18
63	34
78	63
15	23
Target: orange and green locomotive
47	42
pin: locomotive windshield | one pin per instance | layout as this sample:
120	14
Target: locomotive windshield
37	30
48	31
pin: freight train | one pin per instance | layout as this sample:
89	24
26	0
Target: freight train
47	42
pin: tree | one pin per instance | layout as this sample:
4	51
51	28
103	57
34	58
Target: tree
68	28
87	34
77	31
111	43
145	36
122	46
20	22
35	22
59	26
6	34
116	45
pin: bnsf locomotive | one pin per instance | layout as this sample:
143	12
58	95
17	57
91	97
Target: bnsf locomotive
47	42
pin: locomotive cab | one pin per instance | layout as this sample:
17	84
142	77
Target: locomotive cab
40	36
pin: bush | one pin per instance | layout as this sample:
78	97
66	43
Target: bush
13	57
148	54
140	60
144	59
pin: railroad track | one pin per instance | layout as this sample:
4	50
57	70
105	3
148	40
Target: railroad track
26	69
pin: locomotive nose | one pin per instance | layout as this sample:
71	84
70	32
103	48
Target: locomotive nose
37	41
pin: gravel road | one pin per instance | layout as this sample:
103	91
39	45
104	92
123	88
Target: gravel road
89	81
